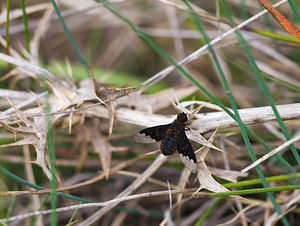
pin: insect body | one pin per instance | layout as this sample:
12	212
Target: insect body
173	138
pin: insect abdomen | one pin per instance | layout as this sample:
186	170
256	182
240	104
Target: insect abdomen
168	144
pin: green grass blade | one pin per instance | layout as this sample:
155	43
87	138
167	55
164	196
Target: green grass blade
42	204
26	31
209	211
256	191
10	208
262	83
92	43
244	66
258	181
76	198
202	88
163	53
277	36
52	164
266	91
151	213
19	179
7	27
294	8
267	20
231	99
77	51
152	44
271	29
72	217
244	10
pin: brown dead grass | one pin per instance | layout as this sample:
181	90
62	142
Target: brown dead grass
96	157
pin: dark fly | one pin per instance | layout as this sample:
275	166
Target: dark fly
173	138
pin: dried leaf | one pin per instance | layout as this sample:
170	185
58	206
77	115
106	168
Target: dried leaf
184	176
230	175
168	212
204	176
285	23
109	94
207	181
196	136
271	153
34	133
111	114
101	146
28	139
154	102
129	190
90	133
292	200
201	103
83	154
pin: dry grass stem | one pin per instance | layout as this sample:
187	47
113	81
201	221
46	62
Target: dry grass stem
271	153
97	100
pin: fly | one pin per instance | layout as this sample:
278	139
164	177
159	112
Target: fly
173	138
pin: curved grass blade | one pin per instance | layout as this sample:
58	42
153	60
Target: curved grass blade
294	8
151	43
262	83
234	107
77	51
285	23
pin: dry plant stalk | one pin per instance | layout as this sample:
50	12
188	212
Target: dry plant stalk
93	112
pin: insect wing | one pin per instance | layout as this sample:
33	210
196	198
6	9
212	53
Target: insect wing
151	134
186	153
169	143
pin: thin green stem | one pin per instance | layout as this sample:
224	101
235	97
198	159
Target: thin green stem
255	191
75	198
258	181
244	10
231	100
26	30
279	37
294	8
209	211
52	165
151	43
262	83
10	208
72	217
7	27
269	98
42	204
77	51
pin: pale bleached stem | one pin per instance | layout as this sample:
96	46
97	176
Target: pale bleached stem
271	153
